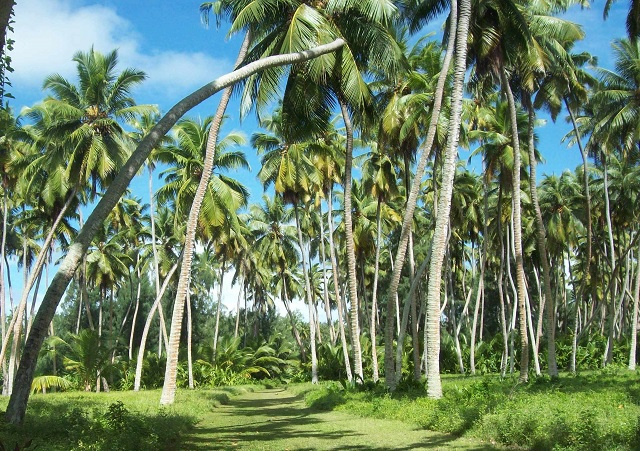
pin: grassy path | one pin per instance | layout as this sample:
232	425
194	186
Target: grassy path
279	420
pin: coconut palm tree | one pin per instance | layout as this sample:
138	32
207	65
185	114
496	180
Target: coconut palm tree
276	239
18	403
78	135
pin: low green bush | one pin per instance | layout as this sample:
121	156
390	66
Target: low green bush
594	411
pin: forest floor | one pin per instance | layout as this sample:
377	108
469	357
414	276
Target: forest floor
279	419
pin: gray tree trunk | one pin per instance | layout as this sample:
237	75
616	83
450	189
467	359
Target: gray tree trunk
147	325
407	221
350	245
18	403
541	236
440	236
517	229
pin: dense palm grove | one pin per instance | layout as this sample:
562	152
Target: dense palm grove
410	262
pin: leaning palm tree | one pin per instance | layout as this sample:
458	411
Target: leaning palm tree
18	403
78	137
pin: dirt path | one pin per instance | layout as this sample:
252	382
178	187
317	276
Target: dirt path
279	420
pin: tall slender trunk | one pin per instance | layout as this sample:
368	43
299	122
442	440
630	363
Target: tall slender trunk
310	303
135	311
294	328
169	387
3	255
17	406
407	221
374	295
517	228
33	275
217	328
147	325
440	235
609	352
336	289
189	340
634	317
351	256
480	288
325	284
585	177
541	236
243	288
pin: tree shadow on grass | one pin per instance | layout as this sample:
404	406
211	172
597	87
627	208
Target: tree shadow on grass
278	419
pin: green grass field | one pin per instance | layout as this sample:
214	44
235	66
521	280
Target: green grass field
594	411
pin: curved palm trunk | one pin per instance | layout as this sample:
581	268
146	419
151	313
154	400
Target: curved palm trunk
440	236
217	328
35	273
307	289
374	296
184	282
541	235
336	289
585	170
517	229
608	358
243	287
634	318
294	328
18	403
402	329
135	313
169	388
351	256
3	247
325	286
390	371
147	326
480	288
189	340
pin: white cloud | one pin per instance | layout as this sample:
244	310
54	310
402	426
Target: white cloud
49	32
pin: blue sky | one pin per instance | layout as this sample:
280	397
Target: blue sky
168	41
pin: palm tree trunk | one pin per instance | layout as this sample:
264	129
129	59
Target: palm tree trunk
325	286
294	328
407	221
440	236
374	295
135	312
634	317
18	403
35	272
147	325
307	289
243	287
336	289
350	247
541	235
517	228
3	254
609	352
217	328
189	340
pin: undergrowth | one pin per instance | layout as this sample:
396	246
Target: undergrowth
595	411
110	421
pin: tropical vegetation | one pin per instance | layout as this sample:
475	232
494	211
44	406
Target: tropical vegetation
410	261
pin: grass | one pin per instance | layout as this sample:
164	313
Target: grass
248	418
594	411
115	420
